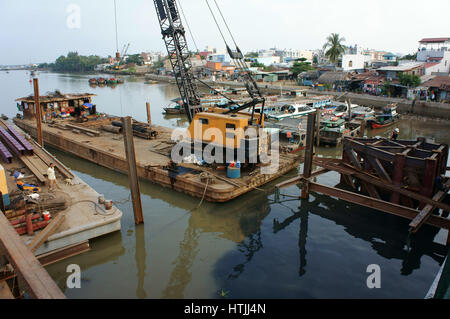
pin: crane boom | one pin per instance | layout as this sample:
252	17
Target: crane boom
174	37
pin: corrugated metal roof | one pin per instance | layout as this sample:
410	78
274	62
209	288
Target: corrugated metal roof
402	67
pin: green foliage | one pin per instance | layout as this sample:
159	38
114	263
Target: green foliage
257	65
252	55
157	65
301	66
410	57
409	80
135	58
335	47
386	88
77	63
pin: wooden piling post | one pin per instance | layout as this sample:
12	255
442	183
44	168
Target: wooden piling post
132	169
149	115
318	128
362	128
37	107
309	152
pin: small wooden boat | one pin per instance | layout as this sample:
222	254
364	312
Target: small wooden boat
388	117
92	81
175	107
101	81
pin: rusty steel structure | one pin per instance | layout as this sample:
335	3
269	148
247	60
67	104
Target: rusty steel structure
403	178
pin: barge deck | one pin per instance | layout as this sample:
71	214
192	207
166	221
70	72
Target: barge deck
83	218
153	158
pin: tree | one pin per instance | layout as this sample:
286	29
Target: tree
409	80
135	58
315	59
334	47
412	57
257	65
76	63
301	66
252	55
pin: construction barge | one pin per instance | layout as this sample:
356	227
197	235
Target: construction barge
97	140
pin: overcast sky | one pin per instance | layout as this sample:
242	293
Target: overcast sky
38	31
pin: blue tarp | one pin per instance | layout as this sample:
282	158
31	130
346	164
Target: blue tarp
89	105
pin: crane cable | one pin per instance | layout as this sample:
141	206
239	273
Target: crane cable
217	24
226	24
115	19
187	24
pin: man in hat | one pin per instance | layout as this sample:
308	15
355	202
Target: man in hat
394	134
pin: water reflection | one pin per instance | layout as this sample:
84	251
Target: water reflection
391	242
141	258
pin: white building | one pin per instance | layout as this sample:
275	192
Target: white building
435	50
269	60
353	62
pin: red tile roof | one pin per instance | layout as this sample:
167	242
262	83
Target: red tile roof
434	40
434	59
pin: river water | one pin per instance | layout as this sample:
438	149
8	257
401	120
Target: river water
251	247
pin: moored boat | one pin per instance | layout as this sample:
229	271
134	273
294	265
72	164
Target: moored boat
386	118
283	111
334	129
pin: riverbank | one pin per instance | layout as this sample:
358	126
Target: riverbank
420	108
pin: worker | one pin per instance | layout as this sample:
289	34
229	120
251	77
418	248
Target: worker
394	134
52	177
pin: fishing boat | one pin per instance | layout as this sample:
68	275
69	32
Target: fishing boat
361	113
334	129
93	81
111	81
289	111
291	133
341	108
386	118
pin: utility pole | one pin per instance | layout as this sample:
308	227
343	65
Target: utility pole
132	169
37	107
309	153
149	114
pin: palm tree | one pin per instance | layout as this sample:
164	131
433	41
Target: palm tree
334	46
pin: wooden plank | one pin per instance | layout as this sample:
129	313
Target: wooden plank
35	170
83	129
5	292
46	233
37	281
377	204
